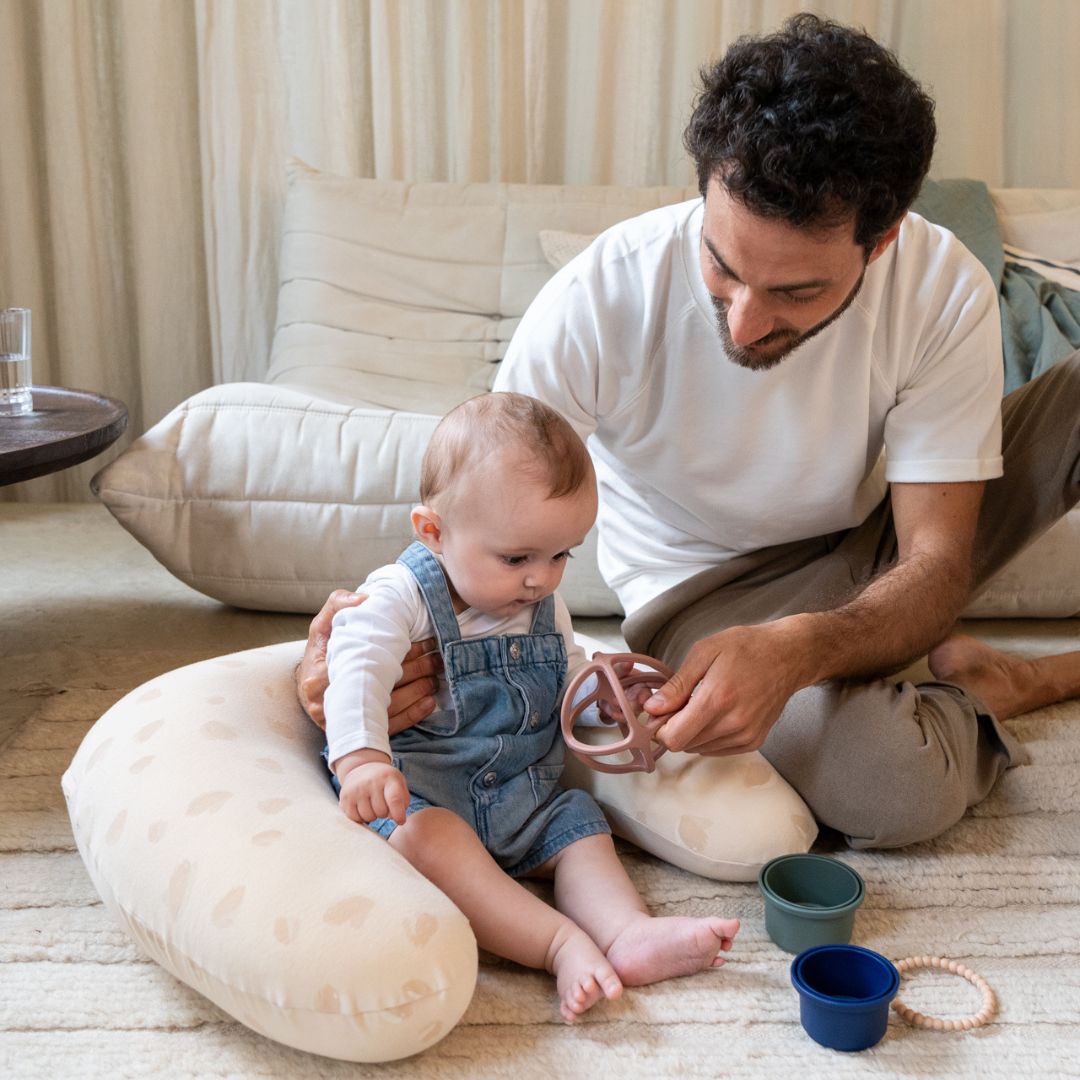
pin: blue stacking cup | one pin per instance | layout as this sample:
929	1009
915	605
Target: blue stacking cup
844	995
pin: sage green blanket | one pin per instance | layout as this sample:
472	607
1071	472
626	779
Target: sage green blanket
1040	319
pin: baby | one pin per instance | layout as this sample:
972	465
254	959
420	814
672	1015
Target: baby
471	795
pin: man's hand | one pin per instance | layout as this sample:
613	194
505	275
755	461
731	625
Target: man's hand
729	692
411	700
374	790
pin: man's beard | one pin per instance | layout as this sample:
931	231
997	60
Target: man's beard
755	360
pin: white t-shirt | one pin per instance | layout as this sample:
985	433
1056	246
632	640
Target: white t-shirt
700	460
368	643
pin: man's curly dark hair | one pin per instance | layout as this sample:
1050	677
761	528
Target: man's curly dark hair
814	124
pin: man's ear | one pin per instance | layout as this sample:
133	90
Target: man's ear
427	525
881	246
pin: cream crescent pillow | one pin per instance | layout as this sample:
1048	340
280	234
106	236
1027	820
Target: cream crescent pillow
208	826
206	821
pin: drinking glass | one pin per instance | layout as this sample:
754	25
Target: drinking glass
15	396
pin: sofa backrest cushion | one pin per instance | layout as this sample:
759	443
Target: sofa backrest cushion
420	286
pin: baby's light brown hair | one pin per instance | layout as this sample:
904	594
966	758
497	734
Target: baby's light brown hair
484	425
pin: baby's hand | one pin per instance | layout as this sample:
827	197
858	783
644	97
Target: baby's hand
374	790
609	709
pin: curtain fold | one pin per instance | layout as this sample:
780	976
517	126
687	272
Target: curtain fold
141	173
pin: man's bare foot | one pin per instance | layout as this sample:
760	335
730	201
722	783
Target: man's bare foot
582	974
1007	685
651	949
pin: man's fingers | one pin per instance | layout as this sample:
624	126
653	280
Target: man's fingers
682	729
413	698
319	630
720	748
676	692
421	648
422	660
311	675
410	704
312	688
417	711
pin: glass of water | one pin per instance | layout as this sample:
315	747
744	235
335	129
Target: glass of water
15	396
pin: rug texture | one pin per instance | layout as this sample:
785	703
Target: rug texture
88	616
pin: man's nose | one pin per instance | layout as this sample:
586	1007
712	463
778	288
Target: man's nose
748	318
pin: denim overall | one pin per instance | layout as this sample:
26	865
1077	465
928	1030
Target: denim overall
495	759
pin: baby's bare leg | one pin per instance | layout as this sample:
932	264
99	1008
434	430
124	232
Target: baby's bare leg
593	889
507	919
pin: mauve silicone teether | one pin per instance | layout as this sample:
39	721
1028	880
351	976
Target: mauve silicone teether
611	687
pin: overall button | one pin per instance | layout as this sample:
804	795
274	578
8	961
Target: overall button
515	650
489	779
534	719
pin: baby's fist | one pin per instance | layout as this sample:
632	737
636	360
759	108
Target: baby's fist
374	791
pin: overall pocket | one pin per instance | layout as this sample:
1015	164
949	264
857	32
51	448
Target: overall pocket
544	780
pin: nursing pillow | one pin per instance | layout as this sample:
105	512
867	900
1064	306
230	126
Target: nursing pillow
206	821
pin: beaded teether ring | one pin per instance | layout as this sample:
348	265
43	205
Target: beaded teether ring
611	687
983	1016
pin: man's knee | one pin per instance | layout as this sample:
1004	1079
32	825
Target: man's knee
893	816
884	765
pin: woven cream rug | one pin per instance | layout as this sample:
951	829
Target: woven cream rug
86	615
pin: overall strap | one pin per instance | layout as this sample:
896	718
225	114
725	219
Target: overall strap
544	616
432	583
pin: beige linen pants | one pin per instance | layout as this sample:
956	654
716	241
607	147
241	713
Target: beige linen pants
887	763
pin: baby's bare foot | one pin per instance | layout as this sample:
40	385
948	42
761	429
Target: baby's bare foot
582	974
651	949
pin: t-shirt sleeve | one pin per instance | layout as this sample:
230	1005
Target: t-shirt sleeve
554	353
946	423
367	645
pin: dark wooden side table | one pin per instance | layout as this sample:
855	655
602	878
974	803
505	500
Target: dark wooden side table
66	427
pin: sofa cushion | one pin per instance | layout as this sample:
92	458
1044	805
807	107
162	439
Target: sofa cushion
419	287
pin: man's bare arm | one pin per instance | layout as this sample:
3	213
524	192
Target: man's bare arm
745	675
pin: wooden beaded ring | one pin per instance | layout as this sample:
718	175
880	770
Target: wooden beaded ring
983	1016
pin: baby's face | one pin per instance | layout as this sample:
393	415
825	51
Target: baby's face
505	543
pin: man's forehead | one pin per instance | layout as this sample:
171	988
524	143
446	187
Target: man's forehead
836	225
773	253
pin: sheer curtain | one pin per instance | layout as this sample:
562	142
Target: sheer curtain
141	179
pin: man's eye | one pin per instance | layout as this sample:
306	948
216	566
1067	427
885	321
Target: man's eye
802	298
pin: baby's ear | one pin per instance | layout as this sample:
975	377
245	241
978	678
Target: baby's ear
428	528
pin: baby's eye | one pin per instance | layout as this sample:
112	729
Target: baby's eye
563	555
514	560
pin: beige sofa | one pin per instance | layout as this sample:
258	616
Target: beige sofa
397	301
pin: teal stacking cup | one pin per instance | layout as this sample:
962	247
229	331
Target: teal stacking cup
809	900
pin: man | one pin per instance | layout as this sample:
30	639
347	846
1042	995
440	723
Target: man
792	389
